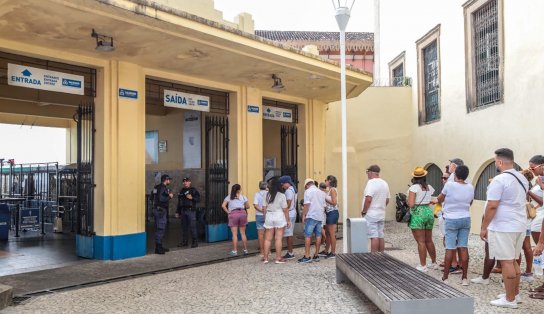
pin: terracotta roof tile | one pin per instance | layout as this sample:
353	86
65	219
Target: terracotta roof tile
323	40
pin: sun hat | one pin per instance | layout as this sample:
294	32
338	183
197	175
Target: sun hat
419	172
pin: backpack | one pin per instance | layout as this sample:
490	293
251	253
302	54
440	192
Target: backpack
401	207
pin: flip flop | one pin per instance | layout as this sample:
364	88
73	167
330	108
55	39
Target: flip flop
496	270
537	290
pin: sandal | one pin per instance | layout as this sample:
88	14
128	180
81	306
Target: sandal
537	290
496	270
538	296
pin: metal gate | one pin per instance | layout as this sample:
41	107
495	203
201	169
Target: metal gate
289	152
217	168
85	169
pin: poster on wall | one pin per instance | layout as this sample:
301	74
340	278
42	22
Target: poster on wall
23	76
192	150
186	101
277	114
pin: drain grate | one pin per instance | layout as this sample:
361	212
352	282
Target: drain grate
19	300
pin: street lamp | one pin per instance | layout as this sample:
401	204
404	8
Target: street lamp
343	10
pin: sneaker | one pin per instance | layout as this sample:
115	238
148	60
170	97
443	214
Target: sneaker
233	253
305	260
464	282
446	281
289	256
480	281
421	268
455	270
323	254
503	295
502	302
315	258
527	277
331	255
434	266
246	252
265	261
280	261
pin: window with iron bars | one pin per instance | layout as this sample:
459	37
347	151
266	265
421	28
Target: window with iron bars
486	54
398	75
431	81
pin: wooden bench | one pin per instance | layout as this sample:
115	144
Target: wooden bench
395	287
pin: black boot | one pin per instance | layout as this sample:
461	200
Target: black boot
183	243
194	244
159	249
165	249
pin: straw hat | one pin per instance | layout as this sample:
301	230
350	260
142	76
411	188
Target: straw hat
419	172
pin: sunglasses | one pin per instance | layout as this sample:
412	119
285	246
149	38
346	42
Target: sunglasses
444	178
533	168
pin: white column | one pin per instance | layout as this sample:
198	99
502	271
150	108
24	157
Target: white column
377	74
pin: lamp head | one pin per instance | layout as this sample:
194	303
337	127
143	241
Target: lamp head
278	85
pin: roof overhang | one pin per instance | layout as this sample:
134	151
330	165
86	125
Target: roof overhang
161	38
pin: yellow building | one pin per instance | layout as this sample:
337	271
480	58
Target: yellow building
136	92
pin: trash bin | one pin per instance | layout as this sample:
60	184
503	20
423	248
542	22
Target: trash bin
5	217
357	235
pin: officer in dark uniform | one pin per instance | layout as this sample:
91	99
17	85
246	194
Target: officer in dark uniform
160	210
188	197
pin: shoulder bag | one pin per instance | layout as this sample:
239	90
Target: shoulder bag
531	210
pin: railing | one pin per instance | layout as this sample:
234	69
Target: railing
395	82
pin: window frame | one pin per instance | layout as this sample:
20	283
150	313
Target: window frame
399	60
469	8
421	44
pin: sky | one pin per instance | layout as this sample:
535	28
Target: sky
28	144
298	15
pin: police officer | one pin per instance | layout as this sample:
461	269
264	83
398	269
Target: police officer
160	210
188	197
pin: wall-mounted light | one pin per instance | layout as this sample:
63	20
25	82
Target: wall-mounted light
278	85
103	43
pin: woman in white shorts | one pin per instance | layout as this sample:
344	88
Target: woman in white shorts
276	218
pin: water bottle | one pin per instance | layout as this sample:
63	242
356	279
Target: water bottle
537	265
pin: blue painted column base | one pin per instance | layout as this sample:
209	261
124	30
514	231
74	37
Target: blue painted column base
111	247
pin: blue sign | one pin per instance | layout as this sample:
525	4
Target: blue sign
253	109
128	93
71	83
287	115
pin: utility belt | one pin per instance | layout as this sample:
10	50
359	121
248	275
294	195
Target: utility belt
161	209
188	209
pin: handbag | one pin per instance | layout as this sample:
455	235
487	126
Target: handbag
531	210
408	215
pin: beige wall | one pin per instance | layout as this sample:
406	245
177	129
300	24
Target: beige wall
272	140
379	132
170	128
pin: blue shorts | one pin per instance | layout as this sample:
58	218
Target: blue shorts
332	217
259	221
312	226
457	232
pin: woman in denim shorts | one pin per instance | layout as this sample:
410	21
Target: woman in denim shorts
457	197
258	204
236	205
332	215
422	217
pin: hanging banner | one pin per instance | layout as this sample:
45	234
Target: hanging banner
186	101
277	114
192	152
23	76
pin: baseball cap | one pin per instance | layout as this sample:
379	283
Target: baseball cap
373	168
186	179
457	161
286	179
165	177
308	181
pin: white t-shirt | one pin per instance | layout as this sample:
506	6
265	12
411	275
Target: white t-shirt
316	198
511	215
422	197
378	189
235	203
291	195
458	199
279	203
258	200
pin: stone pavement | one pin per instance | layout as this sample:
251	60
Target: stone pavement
245	285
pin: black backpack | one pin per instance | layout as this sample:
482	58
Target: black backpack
401	207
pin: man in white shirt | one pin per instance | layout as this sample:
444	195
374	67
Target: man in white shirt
505	223
291	196
376	198
312	218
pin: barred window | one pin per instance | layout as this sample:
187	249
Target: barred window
488	173
428	76
486	48
430	67
398	75
485	53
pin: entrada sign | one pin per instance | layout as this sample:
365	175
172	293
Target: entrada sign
186	101
23	76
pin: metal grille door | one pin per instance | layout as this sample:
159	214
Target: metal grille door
486	44
434	178
432	89
289	152
217	168
85	169
490	171
398	75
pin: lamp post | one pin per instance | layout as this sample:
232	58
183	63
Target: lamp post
343	11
